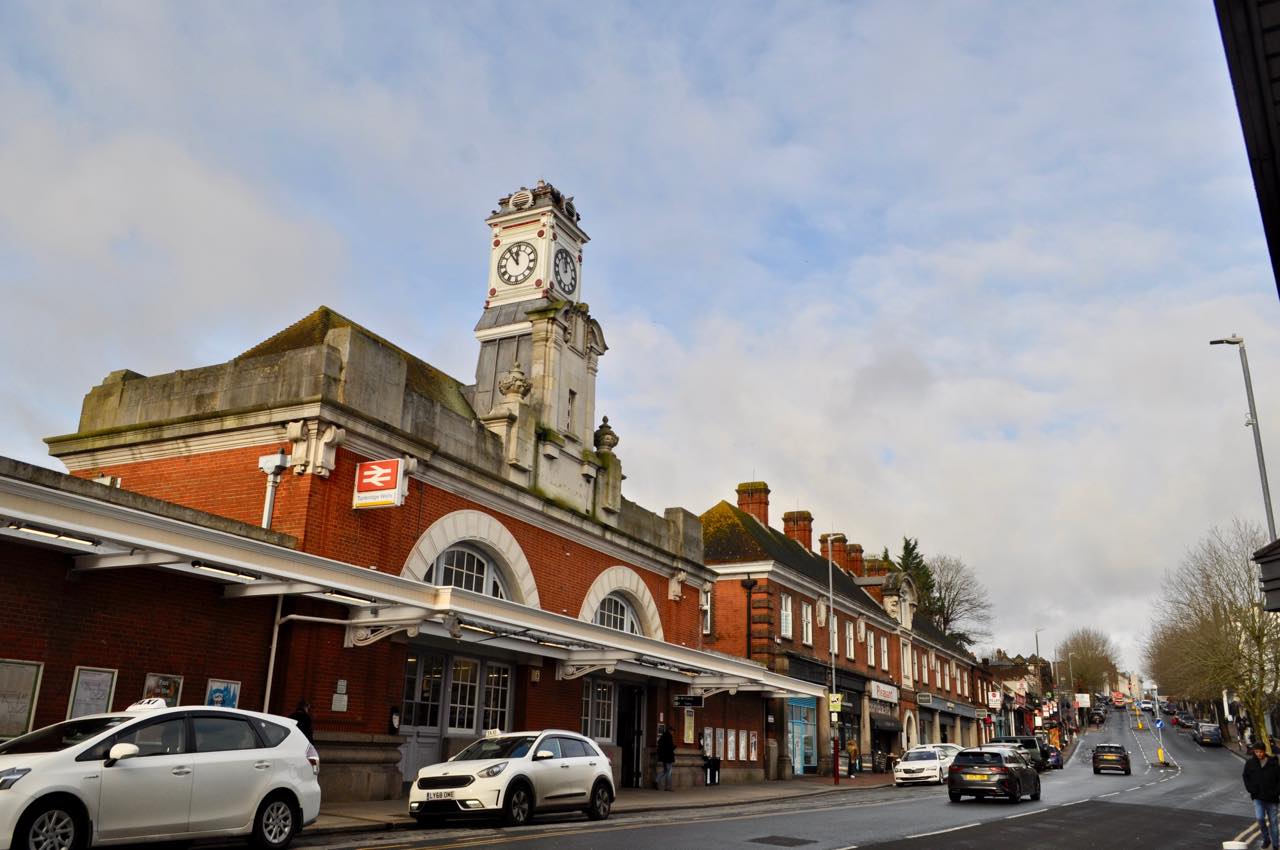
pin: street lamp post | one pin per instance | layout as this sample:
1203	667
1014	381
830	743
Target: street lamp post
1252	422
1071	687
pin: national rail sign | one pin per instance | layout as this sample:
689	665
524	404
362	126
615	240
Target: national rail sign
379	484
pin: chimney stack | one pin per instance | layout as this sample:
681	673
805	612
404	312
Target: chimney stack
798	525
833	547
753	497
856	565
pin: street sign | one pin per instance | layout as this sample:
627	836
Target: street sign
380	484
1159	724
688	700
835	703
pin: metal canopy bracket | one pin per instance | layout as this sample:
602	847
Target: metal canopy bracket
271	588
582	662
708	685
86	563
373	626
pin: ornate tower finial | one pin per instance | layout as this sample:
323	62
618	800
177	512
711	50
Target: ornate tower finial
514	385
605	438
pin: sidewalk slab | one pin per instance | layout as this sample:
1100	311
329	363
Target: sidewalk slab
393	814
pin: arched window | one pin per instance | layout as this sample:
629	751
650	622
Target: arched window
468	569
616	613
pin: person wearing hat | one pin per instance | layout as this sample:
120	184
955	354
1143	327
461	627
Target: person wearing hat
1262	781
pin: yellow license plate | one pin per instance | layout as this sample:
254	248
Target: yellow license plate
976	776
1110	758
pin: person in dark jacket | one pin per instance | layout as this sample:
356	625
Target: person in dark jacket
1262	781
302	716
666	760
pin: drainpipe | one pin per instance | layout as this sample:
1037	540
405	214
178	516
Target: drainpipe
272	465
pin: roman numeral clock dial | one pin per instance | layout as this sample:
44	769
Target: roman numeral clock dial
566	271
516	263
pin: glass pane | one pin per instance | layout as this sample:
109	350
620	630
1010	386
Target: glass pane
432	689
462	694
497	687
218	734
463	569
164	738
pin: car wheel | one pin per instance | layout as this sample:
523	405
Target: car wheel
1036	795
518	807
954	797
1096	771
601	801
51	825
275	824
1127	771
1015	793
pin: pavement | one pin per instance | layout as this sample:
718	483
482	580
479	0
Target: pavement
394	814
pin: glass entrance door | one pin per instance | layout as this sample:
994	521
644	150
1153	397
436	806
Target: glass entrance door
420	712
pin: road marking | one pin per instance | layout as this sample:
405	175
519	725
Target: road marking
942	831
1252	831
1026	814
1134	788
1075	802
1112	794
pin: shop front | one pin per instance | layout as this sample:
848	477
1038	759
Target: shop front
802	734
886	725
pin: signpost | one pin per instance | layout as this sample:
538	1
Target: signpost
688	700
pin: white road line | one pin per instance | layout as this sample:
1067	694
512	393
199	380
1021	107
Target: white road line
1075	802
942	831
1112	794
1134	788
1026	814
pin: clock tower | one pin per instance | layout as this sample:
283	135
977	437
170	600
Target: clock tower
539	353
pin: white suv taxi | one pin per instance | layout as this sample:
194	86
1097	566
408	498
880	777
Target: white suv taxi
157	774
515	774
925	763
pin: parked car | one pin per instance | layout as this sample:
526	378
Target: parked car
1208	734
1055	758
992	772
154	773
925	763
1097	718
1111	757
1030	747
516	774
1145	705
1187	721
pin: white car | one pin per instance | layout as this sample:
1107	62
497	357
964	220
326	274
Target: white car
515	774
157	774
925	763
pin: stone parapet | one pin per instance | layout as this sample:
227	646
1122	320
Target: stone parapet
358	766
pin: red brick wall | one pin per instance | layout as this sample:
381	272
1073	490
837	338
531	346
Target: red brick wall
133	620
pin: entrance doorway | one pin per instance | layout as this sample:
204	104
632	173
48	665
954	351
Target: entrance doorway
631	734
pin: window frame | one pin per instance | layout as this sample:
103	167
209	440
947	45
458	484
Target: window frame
871	649
493	574
884	652
784	615
850	640
631	624
806	623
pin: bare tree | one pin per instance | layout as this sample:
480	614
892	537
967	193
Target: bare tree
1091	659
1213	631
960	604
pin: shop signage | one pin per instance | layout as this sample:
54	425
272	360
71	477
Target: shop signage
379	484
994	700
1082	700
886	693
923	698
688	700
980	713
835	703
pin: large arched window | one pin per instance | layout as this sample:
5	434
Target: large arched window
467	568
615	612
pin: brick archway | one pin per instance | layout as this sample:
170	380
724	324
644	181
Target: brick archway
479	529
627	582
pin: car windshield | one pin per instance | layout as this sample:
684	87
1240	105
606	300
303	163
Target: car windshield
920	755
509	747
1107	748
979	757
59	736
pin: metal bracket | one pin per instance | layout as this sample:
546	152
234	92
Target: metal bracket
565	671
366	635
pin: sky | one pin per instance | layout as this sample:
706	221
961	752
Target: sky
941	270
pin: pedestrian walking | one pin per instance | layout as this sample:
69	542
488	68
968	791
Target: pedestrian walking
852	748
666	760
1262	781
302	716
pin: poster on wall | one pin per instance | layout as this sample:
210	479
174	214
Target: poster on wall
165	686
19	686
719	742
689	729
731	746
223	692
755	740
742	744
92	689
708	742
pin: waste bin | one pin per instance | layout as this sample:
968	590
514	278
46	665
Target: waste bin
712	767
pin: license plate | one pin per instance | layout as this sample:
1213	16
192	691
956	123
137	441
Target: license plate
1111	758
975	776
439	795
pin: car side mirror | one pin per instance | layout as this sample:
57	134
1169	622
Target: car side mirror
543	755
120	751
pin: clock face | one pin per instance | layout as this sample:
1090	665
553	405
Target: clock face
566	271
516	263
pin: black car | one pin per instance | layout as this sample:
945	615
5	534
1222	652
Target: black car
1208	734
1111	757
992	772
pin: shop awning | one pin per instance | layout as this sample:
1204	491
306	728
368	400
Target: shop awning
108	533
885	723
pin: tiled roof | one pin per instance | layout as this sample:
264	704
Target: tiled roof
731	535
